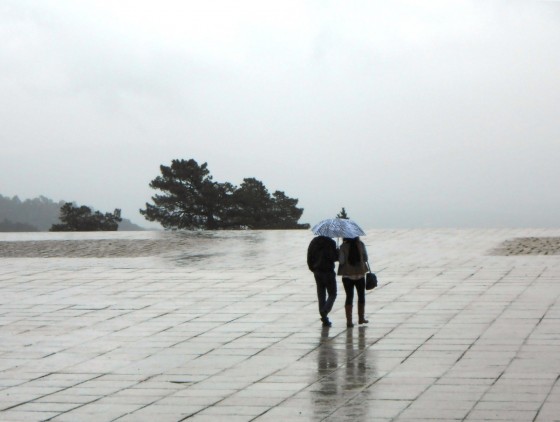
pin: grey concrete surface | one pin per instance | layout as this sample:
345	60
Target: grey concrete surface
223	326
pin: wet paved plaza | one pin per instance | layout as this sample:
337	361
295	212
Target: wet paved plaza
224	326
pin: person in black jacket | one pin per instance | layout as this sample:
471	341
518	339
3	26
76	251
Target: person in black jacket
321	256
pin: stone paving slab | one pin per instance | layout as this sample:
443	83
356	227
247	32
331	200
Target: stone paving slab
223	326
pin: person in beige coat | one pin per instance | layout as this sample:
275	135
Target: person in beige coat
352	267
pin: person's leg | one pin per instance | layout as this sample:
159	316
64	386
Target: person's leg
361	289
321	280
349	289
330	284
321	290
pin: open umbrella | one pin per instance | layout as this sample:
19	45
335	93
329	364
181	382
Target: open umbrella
338	227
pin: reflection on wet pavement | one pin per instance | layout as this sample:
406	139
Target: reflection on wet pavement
175	326
345	368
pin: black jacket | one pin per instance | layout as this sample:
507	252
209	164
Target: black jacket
322	254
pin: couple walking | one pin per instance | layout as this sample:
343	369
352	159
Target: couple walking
352	258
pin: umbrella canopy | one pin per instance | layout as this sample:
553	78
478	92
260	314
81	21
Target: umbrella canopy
337	227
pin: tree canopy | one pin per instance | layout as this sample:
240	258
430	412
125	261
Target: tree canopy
38	214
82	219
191	199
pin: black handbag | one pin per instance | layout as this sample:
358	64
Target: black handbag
371	279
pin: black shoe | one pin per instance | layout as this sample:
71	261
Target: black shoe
326	322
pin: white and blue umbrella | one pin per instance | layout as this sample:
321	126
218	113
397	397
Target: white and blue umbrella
338	227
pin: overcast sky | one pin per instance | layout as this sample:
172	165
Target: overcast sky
408	114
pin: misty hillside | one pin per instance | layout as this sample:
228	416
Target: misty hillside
37	214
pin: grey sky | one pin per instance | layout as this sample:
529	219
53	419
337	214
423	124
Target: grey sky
409	114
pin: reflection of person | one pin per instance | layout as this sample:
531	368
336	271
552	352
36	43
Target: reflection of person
326	385
327	359
352	267
356	358
359	372
321	256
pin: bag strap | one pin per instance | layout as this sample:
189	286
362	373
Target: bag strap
369	269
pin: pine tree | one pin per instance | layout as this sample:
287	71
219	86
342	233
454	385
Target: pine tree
191	199
82	219
342	214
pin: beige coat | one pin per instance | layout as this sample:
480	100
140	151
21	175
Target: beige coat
344	267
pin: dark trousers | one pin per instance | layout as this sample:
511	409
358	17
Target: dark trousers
359	285
326	284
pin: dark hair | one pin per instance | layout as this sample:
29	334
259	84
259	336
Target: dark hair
353	251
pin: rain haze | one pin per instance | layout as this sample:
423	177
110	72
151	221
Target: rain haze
408	114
